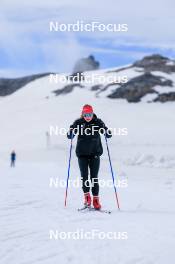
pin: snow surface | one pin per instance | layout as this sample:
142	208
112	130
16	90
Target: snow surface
30	207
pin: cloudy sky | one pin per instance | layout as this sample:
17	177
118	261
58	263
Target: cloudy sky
27	46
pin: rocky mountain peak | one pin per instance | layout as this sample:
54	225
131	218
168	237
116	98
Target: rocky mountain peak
156	62
86	64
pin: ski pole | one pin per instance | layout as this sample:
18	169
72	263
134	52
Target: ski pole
68	173
112	173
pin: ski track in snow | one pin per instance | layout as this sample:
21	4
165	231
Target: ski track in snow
32	208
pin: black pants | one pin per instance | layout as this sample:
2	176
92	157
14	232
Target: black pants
92	164
12	163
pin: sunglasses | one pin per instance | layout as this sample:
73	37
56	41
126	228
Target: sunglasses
88	115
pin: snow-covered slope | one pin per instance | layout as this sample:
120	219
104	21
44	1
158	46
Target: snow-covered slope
129	83
30	207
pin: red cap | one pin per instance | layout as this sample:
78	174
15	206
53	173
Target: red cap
87	109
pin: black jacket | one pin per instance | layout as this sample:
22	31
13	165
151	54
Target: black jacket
89	140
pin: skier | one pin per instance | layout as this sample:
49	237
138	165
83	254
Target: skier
47	139
88	150
13	158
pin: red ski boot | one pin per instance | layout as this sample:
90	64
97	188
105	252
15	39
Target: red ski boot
96	203
87	199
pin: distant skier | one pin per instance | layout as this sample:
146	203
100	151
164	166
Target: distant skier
88	150
13	158
47	139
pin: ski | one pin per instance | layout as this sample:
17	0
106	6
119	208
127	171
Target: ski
100	211
83	208
90	209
